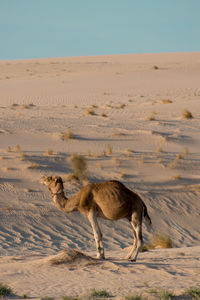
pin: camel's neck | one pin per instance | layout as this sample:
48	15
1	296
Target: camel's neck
65	204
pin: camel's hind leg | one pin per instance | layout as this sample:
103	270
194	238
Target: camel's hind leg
134	243
97	234
138	240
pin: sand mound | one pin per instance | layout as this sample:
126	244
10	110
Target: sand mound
73	257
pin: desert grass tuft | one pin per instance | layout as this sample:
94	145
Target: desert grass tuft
134	297
166	101
159	149
176	177
33	166
96	294
90	111
67	135
17	148
5	290
8	149
194	292
163	294
187	114
109	149
179	156
69	298
122	105
155	67
161	241
186	151
48	152
79	165
151	117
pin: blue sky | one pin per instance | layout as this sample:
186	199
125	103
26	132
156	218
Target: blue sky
60	28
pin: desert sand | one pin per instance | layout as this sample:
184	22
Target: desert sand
125	113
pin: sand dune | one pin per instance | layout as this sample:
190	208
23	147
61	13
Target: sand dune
121	101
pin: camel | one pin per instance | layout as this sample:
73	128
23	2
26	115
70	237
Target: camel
110	200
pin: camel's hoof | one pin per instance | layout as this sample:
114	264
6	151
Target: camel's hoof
133	260
101	257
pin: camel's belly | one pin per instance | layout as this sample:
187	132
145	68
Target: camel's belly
114	212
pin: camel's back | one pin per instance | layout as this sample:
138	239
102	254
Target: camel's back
114	199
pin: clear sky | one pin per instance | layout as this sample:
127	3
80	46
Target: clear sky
60	28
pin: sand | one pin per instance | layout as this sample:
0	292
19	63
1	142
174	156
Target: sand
122	101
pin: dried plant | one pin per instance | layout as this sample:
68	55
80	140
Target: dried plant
17	148
160	241
155	67
109	149
90	111
33	166
179	156
159	149
187	114
48	152
79	166
67	135
8	149
176	177
5	290
151	117
166	101
186	151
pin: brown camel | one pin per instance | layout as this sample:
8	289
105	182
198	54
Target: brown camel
110	200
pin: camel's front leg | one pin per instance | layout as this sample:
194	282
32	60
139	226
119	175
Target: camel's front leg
97	234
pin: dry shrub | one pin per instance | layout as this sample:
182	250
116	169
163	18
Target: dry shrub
179	156
33	166
155	67
166	101
90	111
160	241
173	164
122	105
70	177
79	165
48	152
109	150
151	117
159	149
187	114
99	294
129	152
8	149
176	177
186	151
67	135
122	175
22	156
17	148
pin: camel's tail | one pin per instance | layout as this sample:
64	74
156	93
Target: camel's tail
146	216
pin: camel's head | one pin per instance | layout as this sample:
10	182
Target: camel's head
54	183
